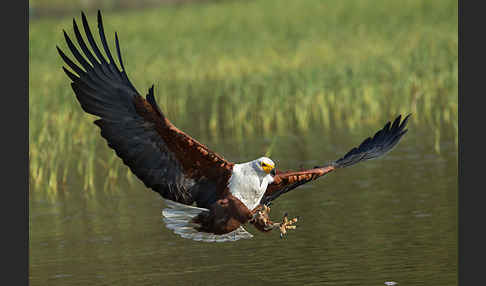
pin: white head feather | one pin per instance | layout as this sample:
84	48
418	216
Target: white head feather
249	181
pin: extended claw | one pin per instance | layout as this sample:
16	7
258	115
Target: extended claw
261	215
286	224
262	219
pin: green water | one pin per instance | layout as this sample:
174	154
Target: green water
393	219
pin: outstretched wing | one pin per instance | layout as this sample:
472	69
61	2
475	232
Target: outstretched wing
166	159
372	147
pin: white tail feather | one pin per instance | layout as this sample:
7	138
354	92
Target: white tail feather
178	217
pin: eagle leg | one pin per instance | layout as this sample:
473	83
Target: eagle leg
262	221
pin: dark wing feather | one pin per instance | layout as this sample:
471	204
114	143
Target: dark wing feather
163	157
372	147
382	142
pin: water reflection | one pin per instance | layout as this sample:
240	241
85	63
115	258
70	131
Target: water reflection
386	220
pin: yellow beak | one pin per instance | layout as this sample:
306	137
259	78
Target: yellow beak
268	168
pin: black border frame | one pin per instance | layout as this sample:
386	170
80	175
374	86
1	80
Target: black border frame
15	115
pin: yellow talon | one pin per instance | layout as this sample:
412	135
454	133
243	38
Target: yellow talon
286	224
261	217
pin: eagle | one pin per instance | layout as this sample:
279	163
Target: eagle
208	197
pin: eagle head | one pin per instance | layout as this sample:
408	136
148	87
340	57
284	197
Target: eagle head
265	165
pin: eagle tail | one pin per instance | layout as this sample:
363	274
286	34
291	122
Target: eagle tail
178	218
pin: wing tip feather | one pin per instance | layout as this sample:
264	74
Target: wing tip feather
381	143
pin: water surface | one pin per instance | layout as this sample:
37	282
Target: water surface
393	219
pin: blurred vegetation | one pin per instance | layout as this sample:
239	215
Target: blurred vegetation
247	68
55	8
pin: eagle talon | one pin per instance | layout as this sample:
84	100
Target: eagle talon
286	224
262	218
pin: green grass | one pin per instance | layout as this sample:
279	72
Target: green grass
246	68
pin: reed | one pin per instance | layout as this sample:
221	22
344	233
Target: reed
246	68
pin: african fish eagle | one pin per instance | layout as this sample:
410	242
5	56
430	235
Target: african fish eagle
208	198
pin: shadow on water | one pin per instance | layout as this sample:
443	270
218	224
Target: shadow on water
393	219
